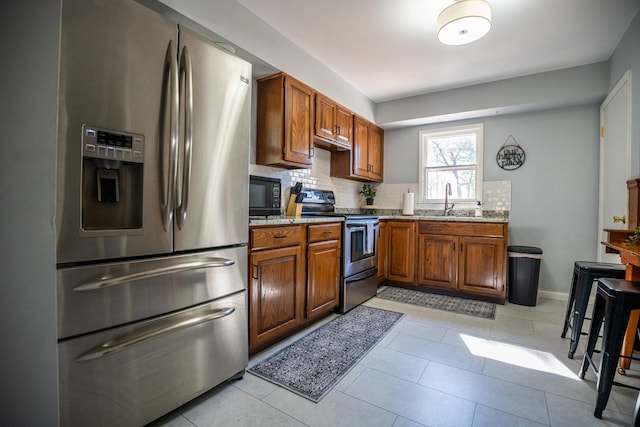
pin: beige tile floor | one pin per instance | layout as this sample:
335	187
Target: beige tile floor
435	369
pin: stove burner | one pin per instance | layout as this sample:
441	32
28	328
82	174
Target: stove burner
321	203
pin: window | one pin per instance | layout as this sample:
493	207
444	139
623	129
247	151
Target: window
451	156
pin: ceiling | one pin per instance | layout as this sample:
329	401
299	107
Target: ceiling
388	49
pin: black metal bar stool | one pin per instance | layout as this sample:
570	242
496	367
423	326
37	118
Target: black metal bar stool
615	298
584	274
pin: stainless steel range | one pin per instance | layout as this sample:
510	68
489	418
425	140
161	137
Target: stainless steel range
359	250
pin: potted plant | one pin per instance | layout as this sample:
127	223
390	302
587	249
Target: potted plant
368	192
633	238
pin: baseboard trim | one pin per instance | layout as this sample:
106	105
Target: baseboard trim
560	296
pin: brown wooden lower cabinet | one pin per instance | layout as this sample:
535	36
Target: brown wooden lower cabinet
437	261
454	257
482	266
323	269
277	280
291	282
401	249
275	293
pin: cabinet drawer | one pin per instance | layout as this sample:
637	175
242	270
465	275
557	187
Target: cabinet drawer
320	232
275	237
456	228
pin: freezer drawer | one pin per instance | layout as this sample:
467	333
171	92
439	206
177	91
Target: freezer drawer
131	375
92	298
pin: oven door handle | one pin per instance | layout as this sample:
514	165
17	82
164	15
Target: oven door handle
127	340
355	226
362	275
113	280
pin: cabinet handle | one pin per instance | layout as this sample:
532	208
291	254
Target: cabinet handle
312	151
454	246
337	130
326	232
256	272
280	236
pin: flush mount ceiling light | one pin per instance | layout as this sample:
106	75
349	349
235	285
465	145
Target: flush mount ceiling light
464	22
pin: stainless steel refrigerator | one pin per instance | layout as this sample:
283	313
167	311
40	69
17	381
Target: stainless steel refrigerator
152	193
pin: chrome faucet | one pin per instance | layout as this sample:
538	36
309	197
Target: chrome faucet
447	192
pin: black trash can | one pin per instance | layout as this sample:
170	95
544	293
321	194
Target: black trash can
524	271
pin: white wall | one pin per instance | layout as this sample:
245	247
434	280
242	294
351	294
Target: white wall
582	85
625	57
554	198
28	359
237	24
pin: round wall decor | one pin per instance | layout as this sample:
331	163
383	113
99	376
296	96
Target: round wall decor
510	156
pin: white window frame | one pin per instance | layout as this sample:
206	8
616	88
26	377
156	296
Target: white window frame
424	135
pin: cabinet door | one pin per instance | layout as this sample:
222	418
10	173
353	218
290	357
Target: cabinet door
383	242
482	265
344	126
323	281
437	260
298	144
376	148
360	151
401	237
325	126
276	293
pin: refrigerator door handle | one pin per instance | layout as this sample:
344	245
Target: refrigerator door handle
127	340
186	84
119	279
169	170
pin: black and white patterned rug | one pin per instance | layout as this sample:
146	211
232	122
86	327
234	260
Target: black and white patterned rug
486	310
312	365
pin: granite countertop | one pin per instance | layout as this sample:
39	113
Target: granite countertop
445	218
290	220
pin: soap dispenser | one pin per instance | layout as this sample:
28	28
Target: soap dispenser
479	209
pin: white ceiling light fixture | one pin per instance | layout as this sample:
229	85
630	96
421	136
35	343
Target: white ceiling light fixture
464	22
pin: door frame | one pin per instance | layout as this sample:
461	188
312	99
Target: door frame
624	80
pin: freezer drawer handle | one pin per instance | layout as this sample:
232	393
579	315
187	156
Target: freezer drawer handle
107	281
123	342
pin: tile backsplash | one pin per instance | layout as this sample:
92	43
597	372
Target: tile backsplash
496	195
346	191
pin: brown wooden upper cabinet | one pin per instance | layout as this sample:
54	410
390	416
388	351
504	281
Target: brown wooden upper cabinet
333	126
285	122
292	118
365	161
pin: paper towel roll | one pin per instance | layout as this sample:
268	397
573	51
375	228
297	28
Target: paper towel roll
407	203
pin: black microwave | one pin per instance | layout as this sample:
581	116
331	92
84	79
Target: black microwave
264	196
